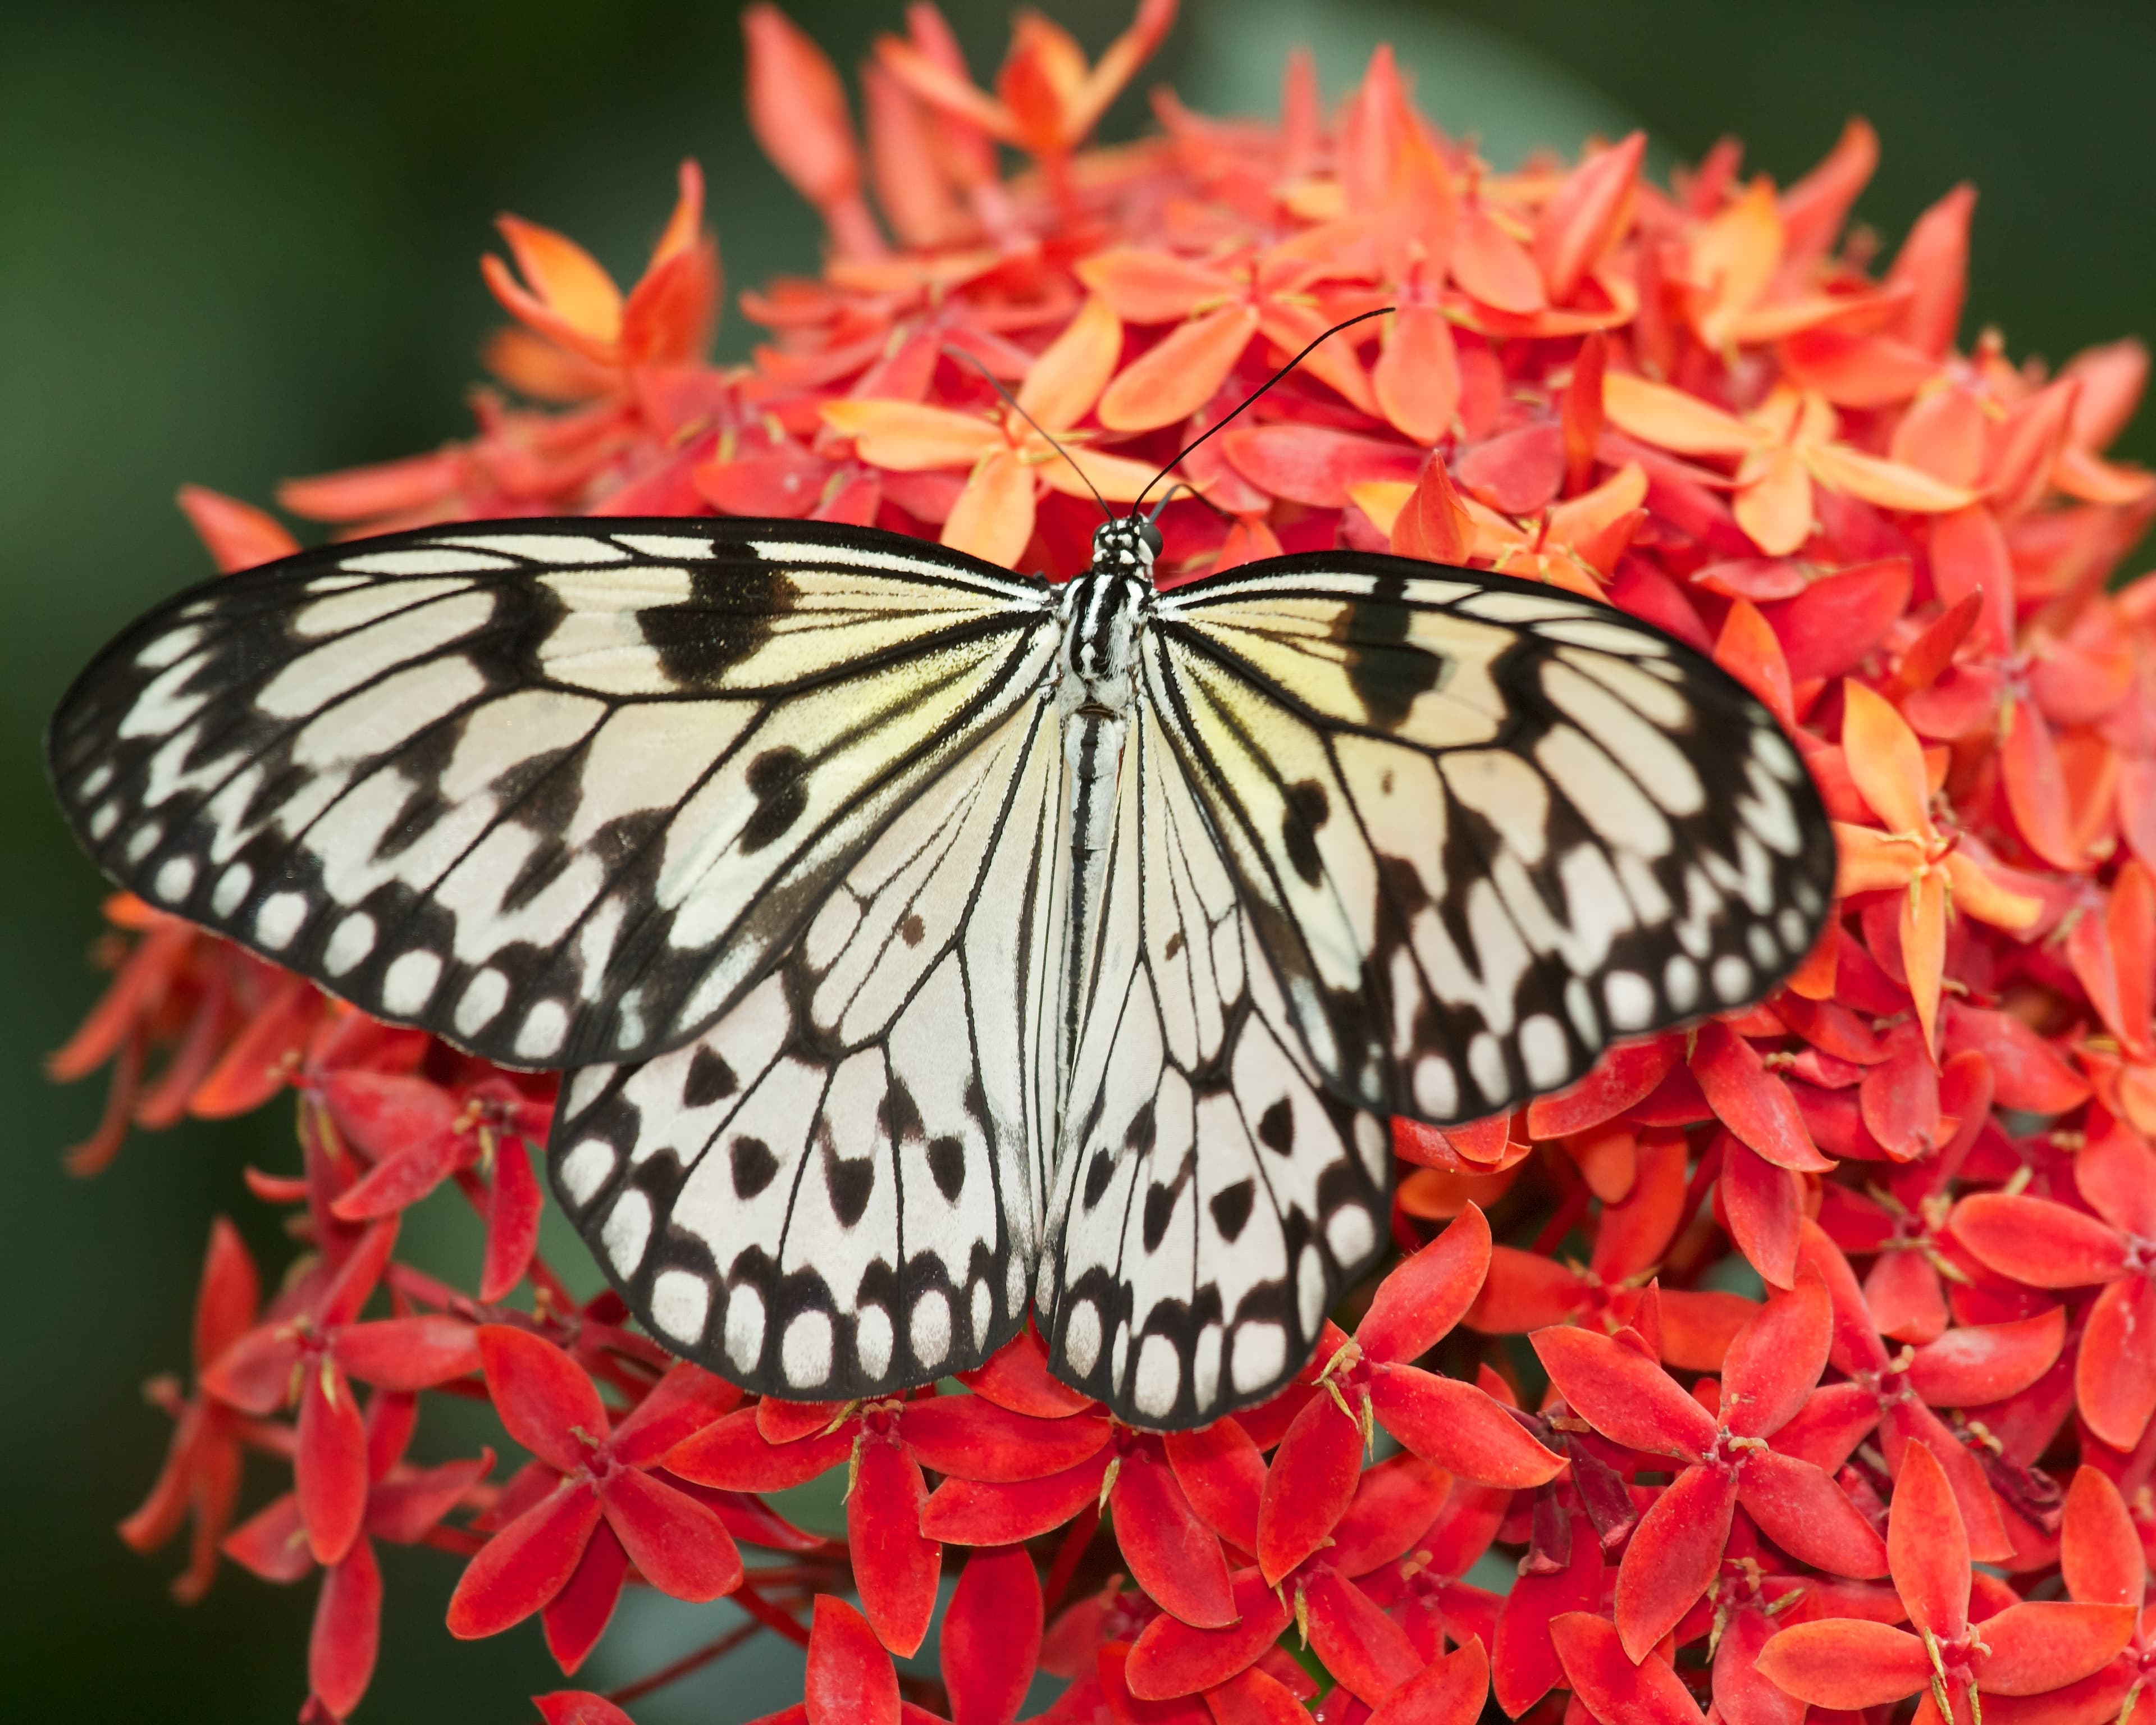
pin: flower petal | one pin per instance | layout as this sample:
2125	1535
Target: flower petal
347	1631
1613	1689
1672	1557
1670	418
679	1545
1926	1546
526	1564
1846	1662
1174	379
1171	1659
2049	1644
850	1679
1625	1395
542	1396
1459	1427
1364	1649
2100	1552
896	1565
1422	1297
991	1636
1311	1482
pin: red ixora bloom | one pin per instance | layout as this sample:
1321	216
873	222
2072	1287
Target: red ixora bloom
1758	1478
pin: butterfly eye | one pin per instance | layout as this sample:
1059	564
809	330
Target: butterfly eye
1151	534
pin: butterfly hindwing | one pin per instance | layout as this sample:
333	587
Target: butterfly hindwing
1486	826
835	1190
558	791
1213	1195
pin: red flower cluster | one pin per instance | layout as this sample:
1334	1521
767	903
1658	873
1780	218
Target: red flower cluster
1932	1148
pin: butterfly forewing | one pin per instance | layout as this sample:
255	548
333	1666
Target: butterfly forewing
1489	826
556	791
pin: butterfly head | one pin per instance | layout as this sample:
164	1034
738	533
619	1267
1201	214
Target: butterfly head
1125	546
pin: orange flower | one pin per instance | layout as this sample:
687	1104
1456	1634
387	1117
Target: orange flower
572	306
1785	446
1010	462
1047	98
1908	851
1574	544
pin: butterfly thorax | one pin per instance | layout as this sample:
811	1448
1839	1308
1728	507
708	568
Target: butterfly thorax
1103	610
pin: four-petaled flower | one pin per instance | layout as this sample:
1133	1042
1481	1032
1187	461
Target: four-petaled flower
589	1473
2022	1648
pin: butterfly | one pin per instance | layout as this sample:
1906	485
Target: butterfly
924	946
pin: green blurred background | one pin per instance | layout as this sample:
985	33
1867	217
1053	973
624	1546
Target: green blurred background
238	242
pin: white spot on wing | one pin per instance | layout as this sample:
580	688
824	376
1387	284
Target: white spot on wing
1543	1051
872	1339
423	560
544	547
484	997
279	919
627	1231
1260	1353
805	1352
1082	1338
409	982
1159	1375
680	1302
929	1329
586	1169
233	887
349	943
744	1327
544	1027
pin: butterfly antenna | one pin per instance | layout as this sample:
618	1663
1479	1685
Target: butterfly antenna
1361	317
1168	497
1011	401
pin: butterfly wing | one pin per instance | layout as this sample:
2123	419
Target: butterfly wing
1402	841
835	1190
1486	826
1212	1194
559	791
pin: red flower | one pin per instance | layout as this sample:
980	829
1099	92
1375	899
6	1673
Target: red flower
2023	1649
418	1133
2048	1245
200	1480
603	1475
892	1530
309	1358
1974	1367
404	1504
1368	1383
1773	1366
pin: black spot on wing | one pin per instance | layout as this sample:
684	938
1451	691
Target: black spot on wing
947	1166
1308	808
852	1179
726	618
1384	671
781	789
1231	1208
1277	1128
754	1166
710	1080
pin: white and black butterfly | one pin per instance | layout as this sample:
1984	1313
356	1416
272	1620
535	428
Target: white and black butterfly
921	941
